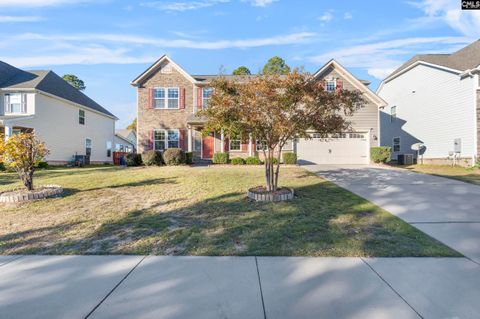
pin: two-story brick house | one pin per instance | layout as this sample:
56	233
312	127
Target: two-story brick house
168	99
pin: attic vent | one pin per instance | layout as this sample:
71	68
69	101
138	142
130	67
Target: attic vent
166	68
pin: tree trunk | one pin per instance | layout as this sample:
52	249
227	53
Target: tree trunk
27	179
267	171
277	169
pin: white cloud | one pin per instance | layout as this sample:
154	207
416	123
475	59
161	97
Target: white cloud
326	17
20	18
466	22
347	16
182	5
261	3
283	39
38	3
381	58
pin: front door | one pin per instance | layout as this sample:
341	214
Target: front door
207	146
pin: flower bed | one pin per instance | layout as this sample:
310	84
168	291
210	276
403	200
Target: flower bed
22	195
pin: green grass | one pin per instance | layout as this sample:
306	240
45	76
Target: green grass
201	211
466	174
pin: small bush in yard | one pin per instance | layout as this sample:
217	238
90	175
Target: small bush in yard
189	157
289	158
253	160
2	167
133	159
174	156
237	161
152	158
220	158
380	154
42	165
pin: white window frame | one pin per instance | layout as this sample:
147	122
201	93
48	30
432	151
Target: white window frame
396	144
165	139
84	117
230	145
109	146
393	113
330	82
166	99
8	107
205	100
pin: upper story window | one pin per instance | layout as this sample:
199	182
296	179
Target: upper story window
15	103
330	86
166	98
206	95
393	114
81	117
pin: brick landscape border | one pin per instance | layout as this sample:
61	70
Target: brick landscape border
262	197
49	191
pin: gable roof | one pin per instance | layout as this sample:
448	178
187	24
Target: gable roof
48	82
358	84
142	77
461	60
123	138
124	132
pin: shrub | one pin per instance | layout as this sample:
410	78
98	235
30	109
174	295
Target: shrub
220	158
237	161
253	160
174	156
42	165
289	158
189	157
2	167
133	159
151	158
380	154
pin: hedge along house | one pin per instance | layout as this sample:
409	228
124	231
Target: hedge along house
168	100
69	122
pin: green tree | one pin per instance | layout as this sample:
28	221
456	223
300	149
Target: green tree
276	65
133	125
74	81
241	70
275	110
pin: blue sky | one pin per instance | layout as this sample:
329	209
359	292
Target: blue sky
107	43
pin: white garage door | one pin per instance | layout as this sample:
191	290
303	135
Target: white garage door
345	148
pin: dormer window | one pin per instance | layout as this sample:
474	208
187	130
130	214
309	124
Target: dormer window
15	103
330	86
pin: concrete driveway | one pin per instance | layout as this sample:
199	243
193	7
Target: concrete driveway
164	287
446	209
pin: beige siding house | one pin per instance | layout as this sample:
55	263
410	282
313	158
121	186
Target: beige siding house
69	122
169	99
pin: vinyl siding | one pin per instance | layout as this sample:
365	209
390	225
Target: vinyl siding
434	107
56	123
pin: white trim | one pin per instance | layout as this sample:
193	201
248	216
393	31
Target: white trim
476	90
230	145
138	80
352	80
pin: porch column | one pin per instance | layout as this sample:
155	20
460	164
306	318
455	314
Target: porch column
250	145
8	131
222	141
189	138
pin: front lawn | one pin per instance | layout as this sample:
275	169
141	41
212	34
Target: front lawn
469	175
201	211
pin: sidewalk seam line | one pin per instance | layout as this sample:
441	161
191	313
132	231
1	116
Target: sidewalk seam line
261	290
396	292
114	288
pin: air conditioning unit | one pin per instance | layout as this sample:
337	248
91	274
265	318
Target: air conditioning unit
405	159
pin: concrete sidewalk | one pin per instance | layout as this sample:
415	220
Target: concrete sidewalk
237	287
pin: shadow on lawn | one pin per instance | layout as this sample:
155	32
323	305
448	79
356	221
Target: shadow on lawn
322	220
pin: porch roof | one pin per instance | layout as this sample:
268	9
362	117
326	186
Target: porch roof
10	119
194	119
